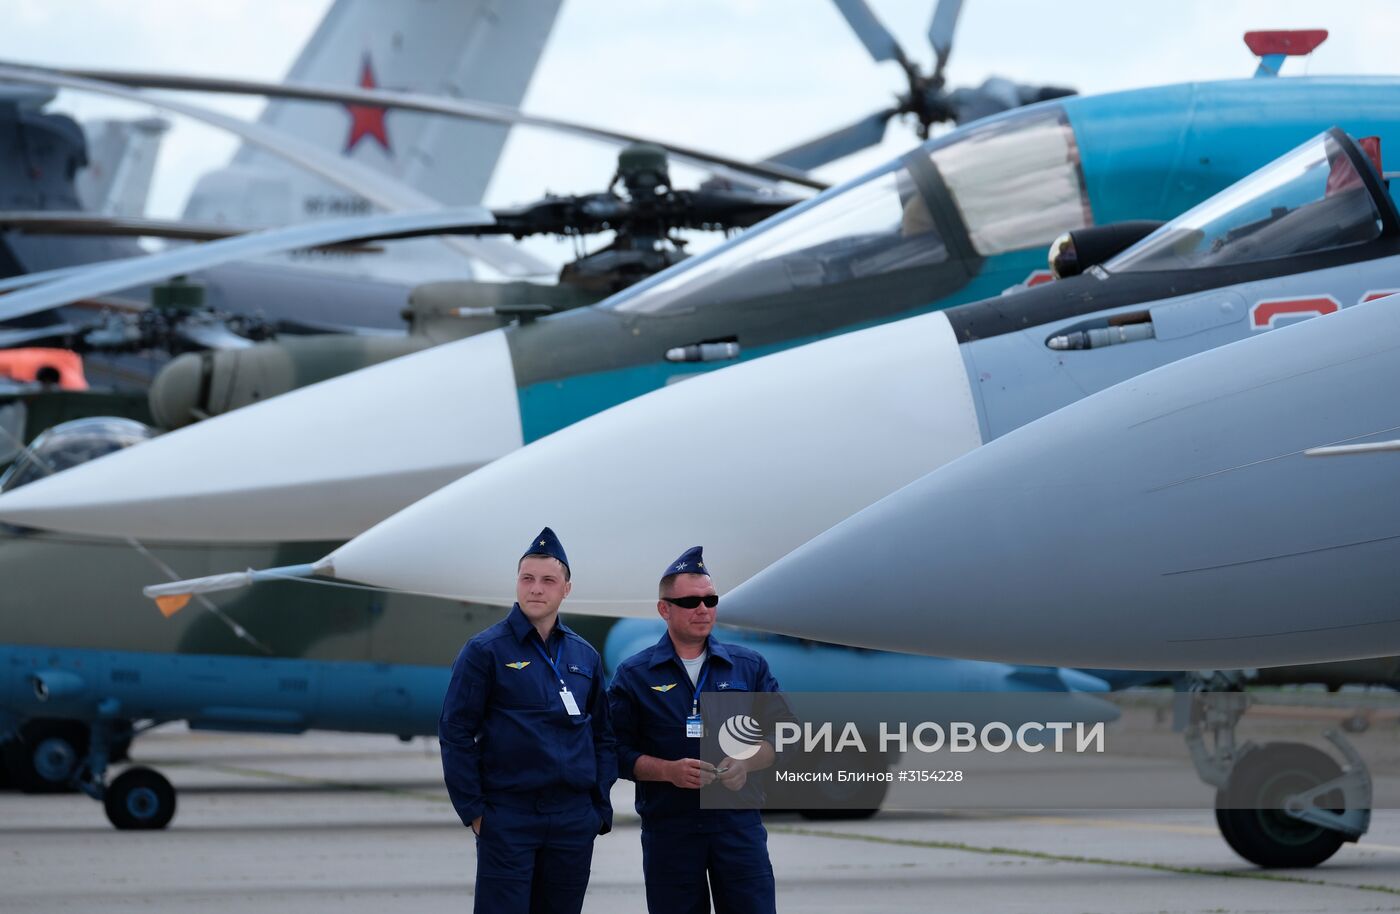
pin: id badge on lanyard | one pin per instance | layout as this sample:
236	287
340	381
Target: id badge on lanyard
570	703
694	724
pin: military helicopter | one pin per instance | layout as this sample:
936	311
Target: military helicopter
641	209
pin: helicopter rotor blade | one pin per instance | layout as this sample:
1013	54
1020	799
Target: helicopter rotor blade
111	276
940	34
211	335
870	30
864	133
379	189
78	222
409	101
9	339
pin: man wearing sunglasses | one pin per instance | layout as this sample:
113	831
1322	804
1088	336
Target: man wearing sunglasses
689	853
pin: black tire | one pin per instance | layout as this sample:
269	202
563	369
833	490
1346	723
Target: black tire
140	799
1249	811
45	754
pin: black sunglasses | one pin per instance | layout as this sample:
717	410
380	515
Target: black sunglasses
711	600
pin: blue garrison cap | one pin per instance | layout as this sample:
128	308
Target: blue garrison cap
690	562
548	544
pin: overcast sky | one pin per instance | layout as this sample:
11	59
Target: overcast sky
744	77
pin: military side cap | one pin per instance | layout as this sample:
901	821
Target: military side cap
548	544
692	561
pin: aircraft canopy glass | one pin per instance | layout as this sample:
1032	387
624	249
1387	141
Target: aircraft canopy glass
1312	199
1014	182
879	226
70	444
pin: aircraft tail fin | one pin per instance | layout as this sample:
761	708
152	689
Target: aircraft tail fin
479	49
121	162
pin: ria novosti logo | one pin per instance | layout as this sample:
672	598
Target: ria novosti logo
740	737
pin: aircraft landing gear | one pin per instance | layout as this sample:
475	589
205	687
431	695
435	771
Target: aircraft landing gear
44	755
137	799
1279	804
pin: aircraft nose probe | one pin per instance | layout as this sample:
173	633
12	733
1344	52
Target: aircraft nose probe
173	596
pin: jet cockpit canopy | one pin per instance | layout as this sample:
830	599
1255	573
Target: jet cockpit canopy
1008	183
1325	194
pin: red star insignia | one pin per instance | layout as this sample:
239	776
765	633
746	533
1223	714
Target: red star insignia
367	120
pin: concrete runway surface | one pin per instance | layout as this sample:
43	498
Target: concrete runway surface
342	823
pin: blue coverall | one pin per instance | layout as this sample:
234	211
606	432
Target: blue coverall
688	853
539	776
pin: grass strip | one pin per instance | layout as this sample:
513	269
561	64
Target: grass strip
1260	875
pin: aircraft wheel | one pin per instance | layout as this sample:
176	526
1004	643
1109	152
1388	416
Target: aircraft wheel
43	757
140	799
1249	811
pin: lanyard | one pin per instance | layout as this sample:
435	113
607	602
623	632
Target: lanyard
699	684
553	664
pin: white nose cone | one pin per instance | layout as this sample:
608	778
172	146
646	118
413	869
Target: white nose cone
324	462
750	462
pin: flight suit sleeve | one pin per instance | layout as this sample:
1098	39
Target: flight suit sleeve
626	726
765	680
463	711
774	709
604	751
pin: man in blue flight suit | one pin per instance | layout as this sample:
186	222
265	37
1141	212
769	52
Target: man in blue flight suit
527	749
689	852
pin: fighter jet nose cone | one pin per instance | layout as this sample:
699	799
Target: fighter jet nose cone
609	484
1170	522
828	590
894	577
320	463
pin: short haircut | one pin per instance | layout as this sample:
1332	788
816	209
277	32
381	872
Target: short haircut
541	555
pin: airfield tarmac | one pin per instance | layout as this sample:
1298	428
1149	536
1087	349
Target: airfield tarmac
343	823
